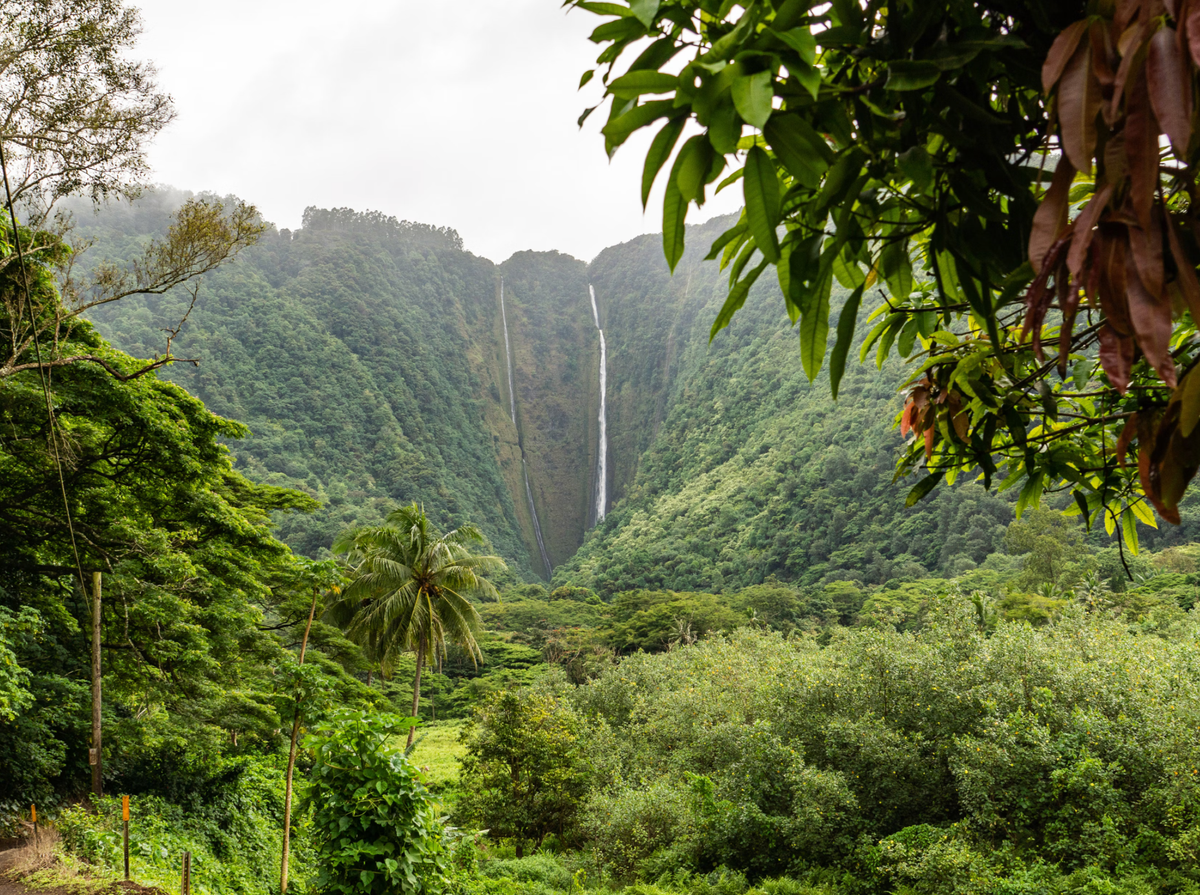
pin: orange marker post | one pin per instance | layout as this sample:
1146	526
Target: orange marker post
33	813
125	819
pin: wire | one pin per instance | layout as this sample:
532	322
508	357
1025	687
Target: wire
37	344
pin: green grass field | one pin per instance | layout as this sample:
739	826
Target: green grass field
437	753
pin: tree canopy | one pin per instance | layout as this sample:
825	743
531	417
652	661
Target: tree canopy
1018	175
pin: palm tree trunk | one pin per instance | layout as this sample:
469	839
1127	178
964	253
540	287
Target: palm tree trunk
417	687
291	765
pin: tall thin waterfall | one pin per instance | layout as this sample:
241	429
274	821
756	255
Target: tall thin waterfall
512	397
512	407
537	528
602	461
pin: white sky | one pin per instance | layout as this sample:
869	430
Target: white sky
457	113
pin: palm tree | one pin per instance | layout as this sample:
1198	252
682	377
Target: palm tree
409	590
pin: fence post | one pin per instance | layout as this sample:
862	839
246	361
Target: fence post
125	820
187	873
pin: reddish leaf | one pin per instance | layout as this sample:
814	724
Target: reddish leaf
1068	303
1151	317
1039	296
1116	357
1085	228
1193	32
1171	464
1112	276
1060	53
1078	102
1185	276
1147	254
1102	51
1051	216
930	433
1128	45
1127	11
906	419
1126	437
1170	90
1172	7
1141	150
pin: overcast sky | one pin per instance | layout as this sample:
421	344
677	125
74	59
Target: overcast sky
457	113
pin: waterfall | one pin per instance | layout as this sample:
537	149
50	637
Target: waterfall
512	398
512	407
602	460
537	528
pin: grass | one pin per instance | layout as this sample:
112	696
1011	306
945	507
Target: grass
437	753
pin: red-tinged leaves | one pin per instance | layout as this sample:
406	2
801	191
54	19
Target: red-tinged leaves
1185	277
1151	317
1101	51
1039	297
1110	258
1170	88
1128	45
1141	150
1060	54
930	434
1123	442
1193	32
1146	245
1051	216
1085	226
1078	104
1127	11
1116	357
1172	463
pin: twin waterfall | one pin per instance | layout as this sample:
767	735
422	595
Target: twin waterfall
602	460
601	492
512	406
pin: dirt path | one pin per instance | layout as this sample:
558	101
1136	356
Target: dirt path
11	886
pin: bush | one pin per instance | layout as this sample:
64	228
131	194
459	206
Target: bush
374	825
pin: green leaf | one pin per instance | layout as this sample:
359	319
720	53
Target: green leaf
915	164
761	185
896	267
644	10
752	95
849	275
802	41
911	75
603	9
814	329
587	76
674	215
922	488
847	320
802	150
735	300
637	83
691	168
1129	530
660	150
618	129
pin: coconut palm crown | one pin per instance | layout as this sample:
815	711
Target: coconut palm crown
410	587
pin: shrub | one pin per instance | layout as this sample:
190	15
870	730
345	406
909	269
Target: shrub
374	824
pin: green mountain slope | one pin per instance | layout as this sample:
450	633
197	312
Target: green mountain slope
368	358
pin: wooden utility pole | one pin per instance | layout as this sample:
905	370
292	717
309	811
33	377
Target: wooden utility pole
95	755
291	765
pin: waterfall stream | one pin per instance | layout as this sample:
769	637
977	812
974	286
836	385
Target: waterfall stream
512	407
537	528
602	450
512	397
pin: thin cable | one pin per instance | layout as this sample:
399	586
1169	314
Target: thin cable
37	344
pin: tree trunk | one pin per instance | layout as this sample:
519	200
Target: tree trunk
291	765
417	688
97	745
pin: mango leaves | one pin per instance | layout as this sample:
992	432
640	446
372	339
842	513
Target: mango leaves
944	170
